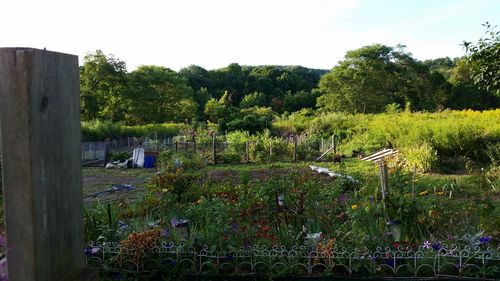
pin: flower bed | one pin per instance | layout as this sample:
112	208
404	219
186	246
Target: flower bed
297	224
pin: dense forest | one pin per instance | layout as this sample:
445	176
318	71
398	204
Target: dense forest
371	79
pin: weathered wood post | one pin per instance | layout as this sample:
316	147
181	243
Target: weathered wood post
334	145
247	152
294	148
214	153
384	181
42	181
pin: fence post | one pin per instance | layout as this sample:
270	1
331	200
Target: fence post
41	165
175	146
294	148
214	153
247	152
270	148
334	144
194	145
384	180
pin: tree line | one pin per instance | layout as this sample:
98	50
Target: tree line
371	79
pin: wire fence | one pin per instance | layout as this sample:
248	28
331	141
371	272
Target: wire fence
476	262
289	148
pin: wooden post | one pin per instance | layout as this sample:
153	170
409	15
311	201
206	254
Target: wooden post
194	145
175	146
214	153
270	148
295	148
382	178
334	145
386	178
185	144
41	169
247	152
413	181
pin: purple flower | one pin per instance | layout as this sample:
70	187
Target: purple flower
390	262
174	222
234	226
485	239
122	226
230	257
3	269
436	247
115	276
372	199
2	240
165	232
343	197
92	250
427	244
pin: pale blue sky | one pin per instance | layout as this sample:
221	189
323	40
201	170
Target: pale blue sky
214	33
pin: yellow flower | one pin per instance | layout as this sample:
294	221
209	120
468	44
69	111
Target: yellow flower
407	195
164	190
354	207
440	193
423	193
199	201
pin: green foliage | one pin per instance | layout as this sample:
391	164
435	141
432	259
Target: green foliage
450	133
253	99
172	161
157	94
102	83
484	56
252	120
100	131
421	156
119	156
493	153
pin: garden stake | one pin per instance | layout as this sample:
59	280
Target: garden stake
413	181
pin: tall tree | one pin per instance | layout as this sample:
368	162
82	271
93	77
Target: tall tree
157	94
373	76
361	83
484	57
102	84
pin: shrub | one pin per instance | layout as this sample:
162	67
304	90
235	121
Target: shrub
102	130
119	156
171	161
422	157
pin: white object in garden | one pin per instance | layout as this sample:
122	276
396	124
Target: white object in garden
323	171
332	174
314	168
138	157
281	199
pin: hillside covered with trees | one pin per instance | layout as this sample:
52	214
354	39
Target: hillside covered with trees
370	79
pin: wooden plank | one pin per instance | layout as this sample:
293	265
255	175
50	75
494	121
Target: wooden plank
40	130
367	158
326	152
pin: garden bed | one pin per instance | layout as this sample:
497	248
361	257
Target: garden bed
281	208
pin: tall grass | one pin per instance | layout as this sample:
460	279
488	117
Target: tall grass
450	133
99	130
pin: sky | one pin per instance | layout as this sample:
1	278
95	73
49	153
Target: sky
215	33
